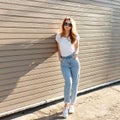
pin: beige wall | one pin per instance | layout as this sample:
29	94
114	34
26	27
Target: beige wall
29	67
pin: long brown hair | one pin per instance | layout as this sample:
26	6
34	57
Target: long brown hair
73	32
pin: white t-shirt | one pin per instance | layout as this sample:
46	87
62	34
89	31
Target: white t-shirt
66	47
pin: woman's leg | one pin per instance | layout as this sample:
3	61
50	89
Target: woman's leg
75	72
67	89
68	82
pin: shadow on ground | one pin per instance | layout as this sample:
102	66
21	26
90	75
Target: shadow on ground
55	114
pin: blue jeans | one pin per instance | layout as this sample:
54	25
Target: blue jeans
70	68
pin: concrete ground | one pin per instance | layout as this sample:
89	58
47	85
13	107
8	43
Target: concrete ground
100	104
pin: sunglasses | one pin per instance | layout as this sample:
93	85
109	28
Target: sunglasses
67	24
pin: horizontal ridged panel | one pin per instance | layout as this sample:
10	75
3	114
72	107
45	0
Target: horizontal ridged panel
29	67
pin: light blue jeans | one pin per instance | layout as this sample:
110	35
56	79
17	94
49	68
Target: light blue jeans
70	68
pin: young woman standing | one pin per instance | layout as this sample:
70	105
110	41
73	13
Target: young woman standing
68	48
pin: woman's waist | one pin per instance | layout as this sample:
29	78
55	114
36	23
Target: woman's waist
68	56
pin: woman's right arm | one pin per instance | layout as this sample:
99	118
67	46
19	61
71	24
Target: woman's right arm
59	54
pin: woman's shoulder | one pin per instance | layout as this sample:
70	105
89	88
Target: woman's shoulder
58	36
77	36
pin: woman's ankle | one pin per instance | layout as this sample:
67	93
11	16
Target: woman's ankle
66	105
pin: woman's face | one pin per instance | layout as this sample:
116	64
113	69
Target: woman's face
67	25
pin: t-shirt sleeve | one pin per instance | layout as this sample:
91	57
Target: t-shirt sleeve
78	37
57	37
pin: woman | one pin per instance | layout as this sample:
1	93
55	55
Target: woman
68	48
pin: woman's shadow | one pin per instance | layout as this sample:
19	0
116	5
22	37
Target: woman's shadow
18	59
57	116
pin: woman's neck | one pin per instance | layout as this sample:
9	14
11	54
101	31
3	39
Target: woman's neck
67	33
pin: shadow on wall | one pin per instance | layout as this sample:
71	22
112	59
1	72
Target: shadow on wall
15	64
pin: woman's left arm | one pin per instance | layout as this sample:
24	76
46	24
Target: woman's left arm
76	45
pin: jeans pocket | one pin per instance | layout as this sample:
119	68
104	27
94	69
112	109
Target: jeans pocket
75	58
63	62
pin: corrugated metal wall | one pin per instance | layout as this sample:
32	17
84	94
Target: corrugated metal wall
29	67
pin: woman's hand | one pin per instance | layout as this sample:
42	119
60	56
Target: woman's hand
60	59
75	56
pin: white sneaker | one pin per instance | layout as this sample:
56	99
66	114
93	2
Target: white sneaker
65	112
71	109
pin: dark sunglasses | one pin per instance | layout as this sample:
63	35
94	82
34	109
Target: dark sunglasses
67	24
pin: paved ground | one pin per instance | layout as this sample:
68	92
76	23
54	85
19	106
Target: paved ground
100	104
